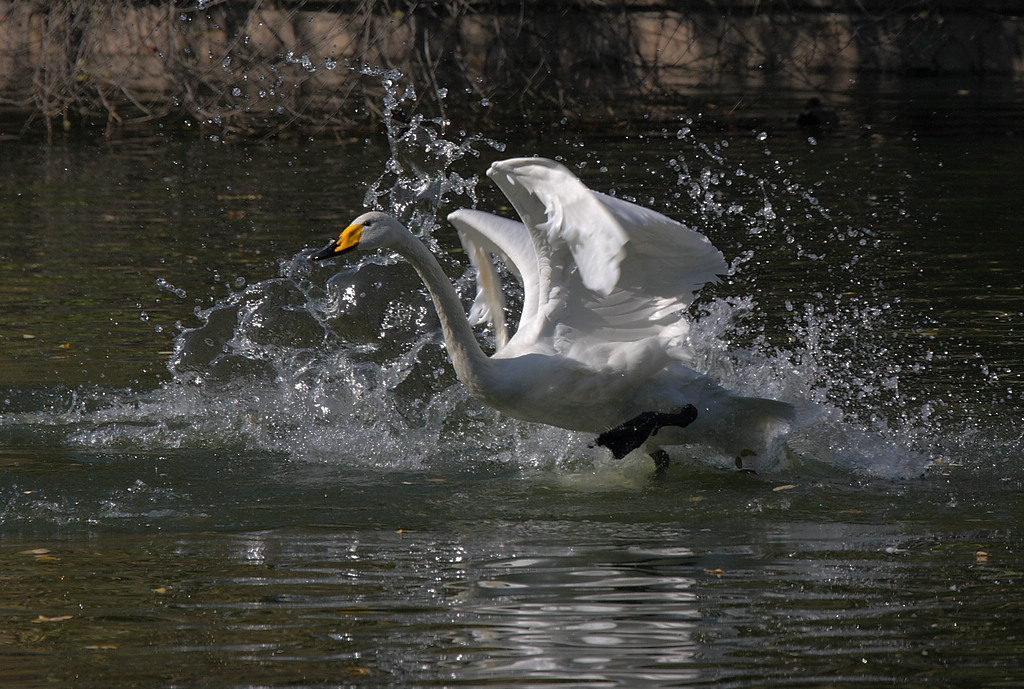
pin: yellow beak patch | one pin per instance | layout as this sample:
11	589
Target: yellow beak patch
349	238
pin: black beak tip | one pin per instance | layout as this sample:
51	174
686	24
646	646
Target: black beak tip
326	252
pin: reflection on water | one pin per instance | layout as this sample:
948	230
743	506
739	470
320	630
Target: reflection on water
587	601
630	618
222	464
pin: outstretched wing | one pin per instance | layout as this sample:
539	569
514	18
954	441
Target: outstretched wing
613	279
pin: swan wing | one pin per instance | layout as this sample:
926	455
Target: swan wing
614	278
484	235
563	215
664	258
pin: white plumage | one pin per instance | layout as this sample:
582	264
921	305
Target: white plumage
601	341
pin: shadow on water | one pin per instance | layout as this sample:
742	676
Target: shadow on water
263	471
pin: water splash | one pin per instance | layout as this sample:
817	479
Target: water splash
328	366
332	366
831	344
419	179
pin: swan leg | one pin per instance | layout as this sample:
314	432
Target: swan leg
623	439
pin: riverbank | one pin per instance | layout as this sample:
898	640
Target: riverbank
259	68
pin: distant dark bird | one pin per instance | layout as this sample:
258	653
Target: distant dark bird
815	117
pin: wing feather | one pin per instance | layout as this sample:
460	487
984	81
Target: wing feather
563	213
606	282
483	235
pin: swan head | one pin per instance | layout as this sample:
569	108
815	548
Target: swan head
369	231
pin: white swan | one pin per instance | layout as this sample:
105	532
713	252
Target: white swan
601	341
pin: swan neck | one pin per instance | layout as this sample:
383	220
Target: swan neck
469	361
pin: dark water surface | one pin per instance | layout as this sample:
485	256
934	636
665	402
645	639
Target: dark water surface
222	465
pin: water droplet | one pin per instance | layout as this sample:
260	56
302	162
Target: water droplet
176	291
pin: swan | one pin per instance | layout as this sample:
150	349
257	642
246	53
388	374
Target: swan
601	344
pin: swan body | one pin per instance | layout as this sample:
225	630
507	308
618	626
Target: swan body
601	342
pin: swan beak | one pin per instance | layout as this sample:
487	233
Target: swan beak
348	241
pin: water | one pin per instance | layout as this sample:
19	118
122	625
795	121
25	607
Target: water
224	465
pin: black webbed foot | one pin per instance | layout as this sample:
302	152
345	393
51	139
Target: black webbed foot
623	439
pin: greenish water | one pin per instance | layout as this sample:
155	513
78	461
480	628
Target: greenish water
223	465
